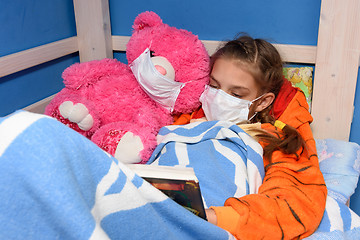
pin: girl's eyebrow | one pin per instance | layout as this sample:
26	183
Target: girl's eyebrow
241	87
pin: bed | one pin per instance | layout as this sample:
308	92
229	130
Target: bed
336	59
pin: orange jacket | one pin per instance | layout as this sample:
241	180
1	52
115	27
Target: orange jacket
291	200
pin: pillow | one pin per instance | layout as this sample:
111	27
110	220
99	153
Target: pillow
340	164
301	77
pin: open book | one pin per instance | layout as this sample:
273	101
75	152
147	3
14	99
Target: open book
178	183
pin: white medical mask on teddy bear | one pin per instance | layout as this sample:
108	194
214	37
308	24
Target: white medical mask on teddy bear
218	105
160	88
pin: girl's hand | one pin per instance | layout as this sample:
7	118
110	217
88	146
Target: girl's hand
211	216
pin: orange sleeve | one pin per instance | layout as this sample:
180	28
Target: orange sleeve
291	200
185	117
182	119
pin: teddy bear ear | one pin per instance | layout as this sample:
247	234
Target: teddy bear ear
146	19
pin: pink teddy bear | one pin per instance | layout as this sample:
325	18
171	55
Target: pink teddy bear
122	107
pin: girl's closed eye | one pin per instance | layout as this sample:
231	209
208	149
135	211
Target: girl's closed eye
213	83
213	86
237	95
239	92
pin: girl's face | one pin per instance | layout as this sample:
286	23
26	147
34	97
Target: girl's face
228	76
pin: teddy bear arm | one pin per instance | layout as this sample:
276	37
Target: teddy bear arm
80	75
127	142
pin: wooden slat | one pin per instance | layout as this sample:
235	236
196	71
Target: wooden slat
119	42
297	53
93	29
292	53
39	107
289	53
25	59
336	68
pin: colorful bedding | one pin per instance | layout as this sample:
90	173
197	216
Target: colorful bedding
301	77
56	184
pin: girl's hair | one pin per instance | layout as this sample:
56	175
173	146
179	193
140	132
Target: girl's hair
261	59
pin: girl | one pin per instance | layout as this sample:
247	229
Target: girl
247	85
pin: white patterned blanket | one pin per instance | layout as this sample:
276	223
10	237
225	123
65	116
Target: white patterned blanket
56	184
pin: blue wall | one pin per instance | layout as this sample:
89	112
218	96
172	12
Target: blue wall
296	24
355	137
29	23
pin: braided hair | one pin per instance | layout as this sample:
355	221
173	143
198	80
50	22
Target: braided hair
261	59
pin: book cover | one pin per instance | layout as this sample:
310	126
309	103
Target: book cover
178	183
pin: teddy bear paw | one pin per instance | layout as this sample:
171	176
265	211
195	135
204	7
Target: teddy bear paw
77	113
129	148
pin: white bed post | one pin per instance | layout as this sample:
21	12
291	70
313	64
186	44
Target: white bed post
336	69
93	29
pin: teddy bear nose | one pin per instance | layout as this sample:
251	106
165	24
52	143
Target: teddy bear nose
164	67
161	70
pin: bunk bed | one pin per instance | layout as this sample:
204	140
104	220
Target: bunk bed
336	60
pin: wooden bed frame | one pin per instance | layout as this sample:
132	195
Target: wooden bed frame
336	58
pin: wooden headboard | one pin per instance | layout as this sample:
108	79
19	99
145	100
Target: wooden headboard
336	58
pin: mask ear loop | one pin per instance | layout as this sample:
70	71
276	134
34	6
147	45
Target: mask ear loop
252	103
252	116
257	99
150	44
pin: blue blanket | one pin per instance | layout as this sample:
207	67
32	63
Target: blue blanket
340	164
226	160
56	184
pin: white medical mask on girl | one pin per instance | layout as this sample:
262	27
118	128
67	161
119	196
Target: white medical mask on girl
160	88
218	105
